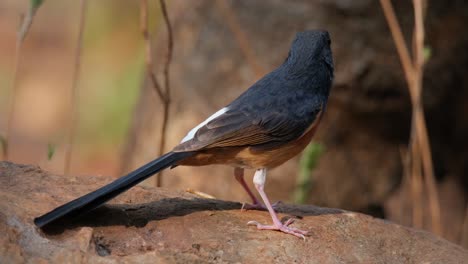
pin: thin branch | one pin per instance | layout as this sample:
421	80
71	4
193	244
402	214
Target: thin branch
420	120
74	93
26	23
416	184
418	40
241	38
200	194
428	169
164	96
28	19
148	49
12	100
170	47
399	40
406	183
419	142
167	101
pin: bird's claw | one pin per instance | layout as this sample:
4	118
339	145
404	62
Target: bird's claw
285	228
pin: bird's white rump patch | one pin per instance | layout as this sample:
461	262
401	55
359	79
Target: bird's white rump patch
194	130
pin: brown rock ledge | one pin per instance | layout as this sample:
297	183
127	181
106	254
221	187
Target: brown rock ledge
163	226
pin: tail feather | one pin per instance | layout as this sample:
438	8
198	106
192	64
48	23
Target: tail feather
107	192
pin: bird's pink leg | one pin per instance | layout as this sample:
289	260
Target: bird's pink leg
239	175
256	204
259	181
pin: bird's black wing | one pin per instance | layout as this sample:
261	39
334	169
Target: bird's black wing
251	127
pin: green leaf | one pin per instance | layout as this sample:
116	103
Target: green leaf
427	53
4	145
50	151
35	4
307	164
28	19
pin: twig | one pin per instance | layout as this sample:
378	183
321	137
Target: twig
398	39
421	153
416	184
421	123
167	90
406	181
165	96
21	35
74	93
241	38
200	194
27	22
148	49
170	46
12	100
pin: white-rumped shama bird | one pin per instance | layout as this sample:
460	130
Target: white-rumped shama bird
267	125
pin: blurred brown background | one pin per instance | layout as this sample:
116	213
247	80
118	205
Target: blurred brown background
220	49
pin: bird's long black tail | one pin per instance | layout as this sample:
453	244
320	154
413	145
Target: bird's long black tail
105	193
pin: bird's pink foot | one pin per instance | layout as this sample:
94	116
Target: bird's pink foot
285	228
259	182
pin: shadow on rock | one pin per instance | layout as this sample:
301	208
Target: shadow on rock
138	215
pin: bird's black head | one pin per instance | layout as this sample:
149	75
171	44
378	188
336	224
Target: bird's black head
309	55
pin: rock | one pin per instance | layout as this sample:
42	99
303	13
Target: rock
160	226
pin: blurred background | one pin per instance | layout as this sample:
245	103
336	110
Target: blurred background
357	160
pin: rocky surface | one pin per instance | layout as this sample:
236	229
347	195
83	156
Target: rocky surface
161	226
